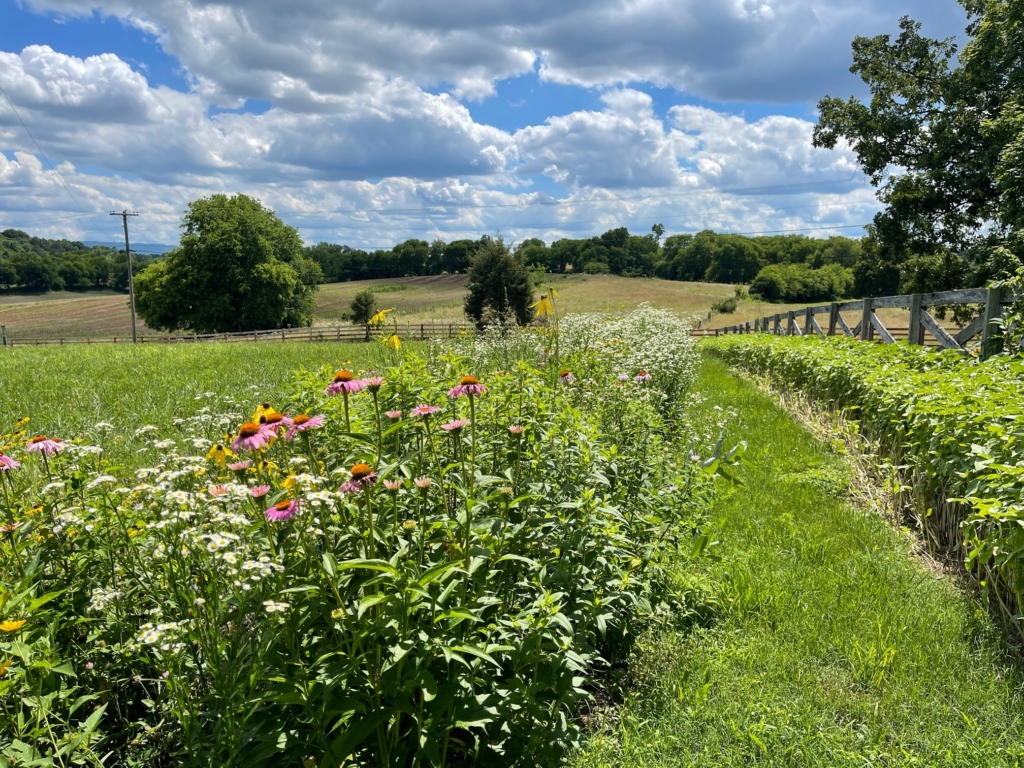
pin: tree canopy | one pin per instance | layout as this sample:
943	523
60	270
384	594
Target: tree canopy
238	268
942	138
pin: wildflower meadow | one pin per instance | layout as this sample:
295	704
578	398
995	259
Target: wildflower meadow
440	556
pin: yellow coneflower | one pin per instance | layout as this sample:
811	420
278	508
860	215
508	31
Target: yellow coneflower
4	666
262	410
381	317
219	455
544	307
393	342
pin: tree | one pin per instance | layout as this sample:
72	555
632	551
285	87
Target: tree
238	268
735	259
499	284
941	139
363	307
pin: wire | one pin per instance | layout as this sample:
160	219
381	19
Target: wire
40	149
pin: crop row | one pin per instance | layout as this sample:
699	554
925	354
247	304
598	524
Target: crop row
957	426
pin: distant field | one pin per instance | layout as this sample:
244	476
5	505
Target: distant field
103	315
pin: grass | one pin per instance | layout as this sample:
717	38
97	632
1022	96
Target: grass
67	390
835	646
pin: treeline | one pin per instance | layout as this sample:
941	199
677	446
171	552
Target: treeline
39	264
811	265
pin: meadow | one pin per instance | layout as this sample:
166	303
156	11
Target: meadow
221	555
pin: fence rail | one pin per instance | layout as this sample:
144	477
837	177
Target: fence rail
803	322
347	333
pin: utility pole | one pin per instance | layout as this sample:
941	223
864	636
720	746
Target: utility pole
128	253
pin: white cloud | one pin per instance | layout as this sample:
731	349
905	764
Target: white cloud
302	53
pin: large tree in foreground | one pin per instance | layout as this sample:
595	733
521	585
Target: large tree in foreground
943	139
238	268
499	286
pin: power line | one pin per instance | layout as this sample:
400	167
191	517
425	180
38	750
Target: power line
40	149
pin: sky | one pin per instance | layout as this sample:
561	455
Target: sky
369	122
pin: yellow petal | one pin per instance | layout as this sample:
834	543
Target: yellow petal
12	626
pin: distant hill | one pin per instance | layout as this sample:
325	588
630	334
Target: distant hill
151	249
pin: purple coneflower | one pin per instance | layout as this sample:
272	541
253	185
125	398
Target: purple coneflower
259	491
623	377
363	476
217	491
283	510
516	429
424	410
251	437
345	382
7	463
393	415
271	423
566	377
469	386
642	376
46	445
302	422
392	485
240	466
423	482
375	383
455	426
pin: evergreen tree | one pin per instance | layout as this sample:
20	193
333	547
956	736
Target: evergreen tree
499	284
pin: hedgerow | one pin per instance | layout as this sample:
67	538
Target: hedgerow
432	563
955	423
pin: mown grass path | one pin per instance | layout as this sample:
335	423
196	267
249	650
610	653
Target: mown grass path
834	645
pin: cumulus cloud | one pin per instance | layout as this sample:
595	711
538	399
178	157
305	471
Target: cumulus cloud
302	54
98	111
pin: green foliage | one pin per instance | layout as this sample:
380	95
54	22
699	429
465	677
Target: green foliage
799	282
457	620
499	286
239	268
954	423
38	264
949	122
363	307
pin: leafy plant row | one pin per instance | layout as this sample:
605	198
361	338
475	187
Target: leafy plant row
957	425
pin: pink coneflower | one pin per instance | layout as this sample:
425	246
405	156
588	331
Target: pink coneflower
374	384
363	476
271	423
469	386
642	376
217	491
240	466
7	463
345	382
251	437
393	415
424	410
302	422
392	485
259	491
516	429
623	377
283	510
455	426
47	445
423	482
566	377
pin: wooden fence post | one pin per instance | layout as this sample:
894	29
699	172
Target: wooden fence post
915	330
867	330
991	336
791	323
833	318
808	321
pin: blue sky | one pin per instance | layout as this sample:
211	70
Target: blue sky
373	121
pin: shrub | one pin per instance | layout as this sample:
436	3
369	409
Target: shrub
493	548
799	282
596	268
726	306
363	307
498	287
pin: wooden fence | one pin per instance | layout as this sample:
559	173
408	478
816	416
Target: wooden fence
804	322
347	333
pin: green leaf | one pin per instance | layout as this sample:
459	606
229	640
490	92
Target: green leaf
368	602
